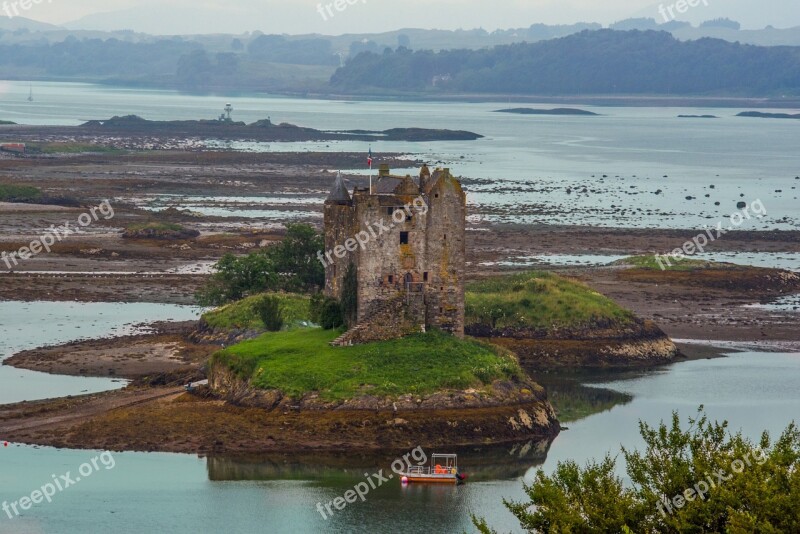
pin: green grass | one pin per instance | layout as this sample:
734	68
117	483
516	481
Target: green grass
241	314
19	193
669	263
538	300
301	361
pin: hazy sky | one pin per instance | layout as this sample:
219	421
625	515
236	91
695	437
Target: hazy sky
363	16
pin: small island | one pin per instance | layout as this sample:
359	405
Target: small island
762	115
264	130
697	117
554	111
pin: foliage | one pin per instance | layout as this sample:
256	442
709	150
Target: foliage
301	361
290	265
236	277
326	312
268	309
349	301
589	62
243	314
19	193
538	300
295	261
674	485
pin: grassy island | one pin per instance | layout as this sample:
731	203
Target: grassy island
538	300
301	361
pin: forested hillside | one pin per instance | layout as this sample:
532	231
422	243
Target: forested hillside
590	62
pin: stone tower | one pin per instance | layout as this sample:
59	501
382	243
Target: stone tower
406	240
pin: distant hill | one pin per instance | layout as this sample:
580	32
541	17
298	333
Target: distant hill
21	23
599	62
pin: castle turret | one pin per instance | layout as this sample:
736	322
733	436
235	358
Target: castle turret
424	176
339	227
339	193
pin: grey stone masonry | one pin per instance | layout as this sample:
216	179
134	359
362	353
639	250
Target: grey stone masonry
406	237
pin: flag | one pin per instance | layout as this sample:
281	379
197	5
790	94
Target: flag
369	158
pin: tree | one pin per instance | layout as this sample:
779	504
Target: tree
326	311
349	300
290	265
702	479
194	69
268	309
295	258
236	277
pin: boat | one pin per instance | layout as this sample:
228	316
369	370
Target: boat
443	470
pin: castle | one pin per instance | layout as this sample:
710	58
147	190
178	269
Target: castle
405	239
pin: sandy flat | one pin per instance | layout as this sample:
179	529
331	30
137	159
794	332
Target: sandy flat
14	207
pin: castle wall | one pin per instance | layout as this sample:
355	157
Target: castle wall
384	263
445	234
426	249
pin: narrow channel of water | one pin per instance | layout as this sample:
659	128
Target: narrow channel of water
28	325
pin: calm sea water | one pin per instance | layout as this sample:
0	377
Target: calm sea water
28	325
538	169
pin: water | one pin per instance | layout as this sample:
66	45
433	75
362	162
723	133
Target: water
28	325
532	169
182	493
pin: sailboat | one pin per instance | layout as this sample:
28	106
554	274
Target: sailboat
30	96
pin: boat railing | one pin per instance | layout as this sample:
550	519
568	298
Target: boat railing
418	470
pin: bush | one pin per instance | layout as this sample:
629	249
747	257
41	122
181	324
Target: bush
19	193
290	266
268	309
701	479
326	312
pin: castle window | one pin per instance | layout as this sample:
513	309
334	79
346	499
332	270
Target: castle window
391	279
425	276
389	211
409	217
334	270
445	237
441	310
404	238
436	195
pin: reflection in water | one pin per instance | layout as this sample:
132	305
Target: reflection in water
317	479
573	400
480	463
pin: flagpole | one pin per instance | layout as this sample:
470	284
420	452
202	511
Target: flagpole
370	170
